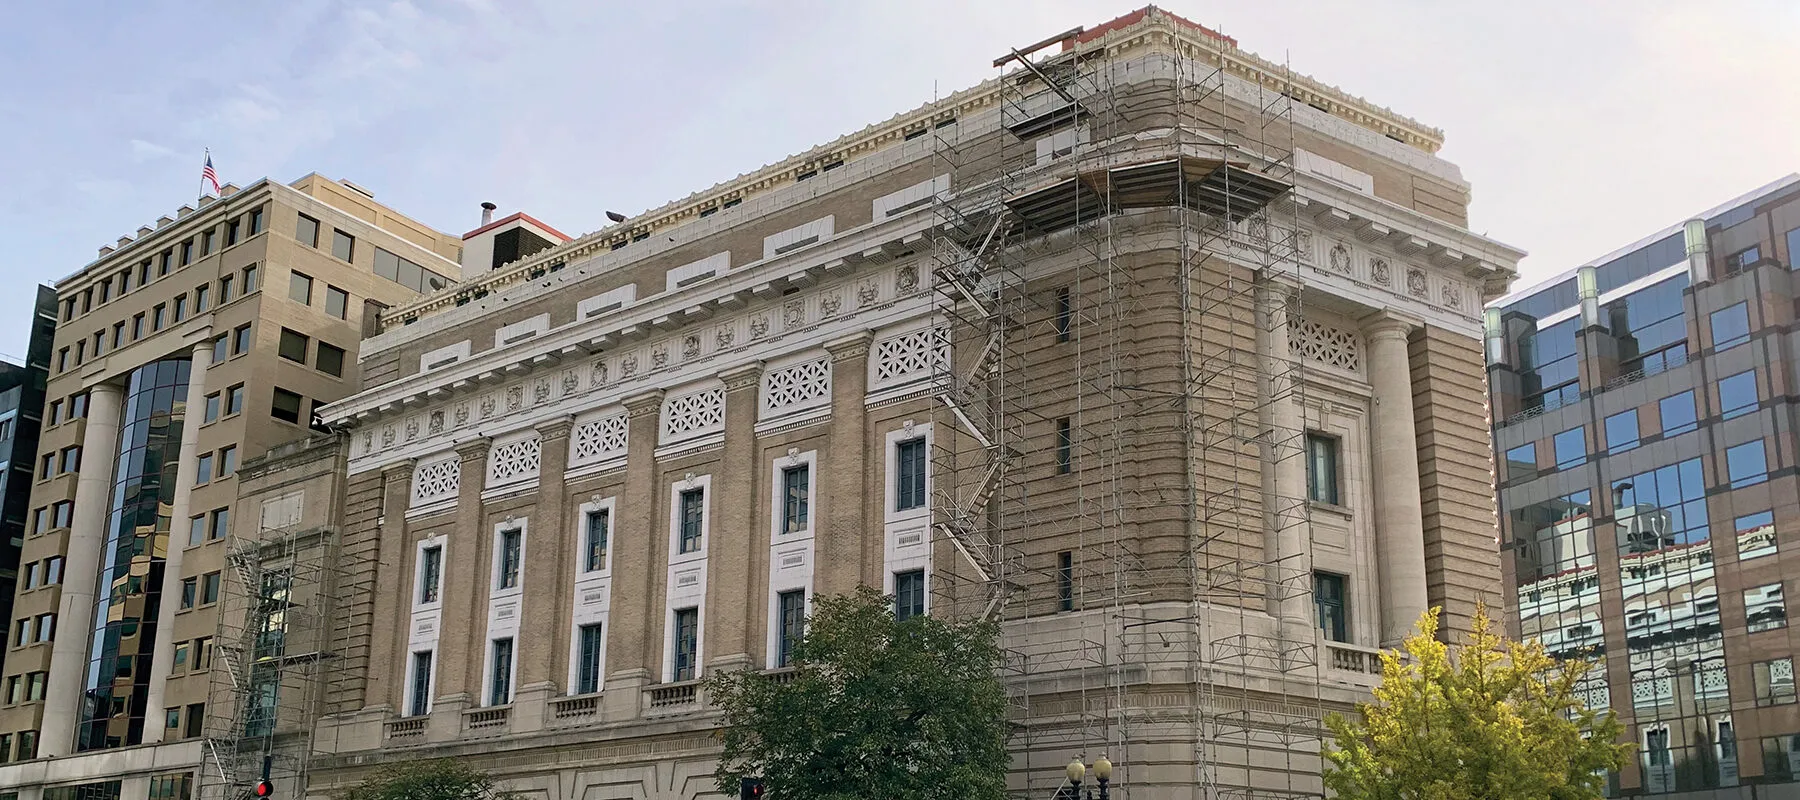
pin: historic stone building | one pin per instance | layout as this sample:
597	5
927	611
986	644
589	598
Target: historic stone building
1169	359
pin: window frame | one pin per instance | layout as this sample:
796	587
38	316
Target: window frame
1324	454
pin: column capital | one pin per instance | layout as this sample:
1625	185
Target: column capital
855	345
1281	285
1389	324
203	349
649	402
402	468
557	428
475	449
743	376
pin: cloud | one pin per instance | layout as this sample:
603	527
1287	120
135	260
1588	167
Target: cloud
142	151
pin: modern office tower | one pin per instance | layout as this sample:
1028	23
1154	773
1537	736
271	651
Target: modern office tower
1643	422
21	401
195	343
1165	357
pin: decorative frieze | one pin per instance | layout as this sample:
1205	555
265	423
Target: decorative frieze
800	386
1334	347
513	462
907	357
599	440
435	481
693	415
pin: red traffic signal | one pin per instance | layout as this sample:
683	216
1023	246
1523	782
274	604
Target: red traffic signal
750	789
265	789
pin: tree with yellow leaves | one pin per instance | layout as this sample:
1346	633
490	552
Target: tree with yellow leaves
1495	720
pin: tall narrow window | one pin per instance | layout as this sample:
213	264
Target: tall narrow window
510	541
693	505
306	231
687	642
343	245
1065	581
1065	314
594	548
337	302
256	221
587	667
300	288
1065	447
500	685
793	625
909	594
1329	599
909	474
793	498
420	703
1322	468
431	572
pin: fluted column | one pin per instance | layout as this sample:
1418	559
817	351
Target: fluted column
75	612
740	541
638	534
1286	535
393	596
163	654
550	551
843	545
1399	517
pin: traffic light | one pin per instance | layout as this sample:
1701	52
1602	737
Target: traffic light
265	789
750	789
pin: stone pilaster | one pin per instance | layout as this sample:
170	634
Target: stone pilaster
75	609
638	560
1399	529
461	650
392	614
192	418
549	553
846	551
1286	530
740	541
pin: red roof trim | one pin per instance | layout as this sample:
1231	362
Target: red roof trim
519	216
1134	17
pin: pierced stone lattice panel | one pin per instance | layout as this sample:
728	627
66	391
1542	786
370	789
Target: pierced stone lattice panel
1333	347
598	440
693	415
908	356
438	480
514	461
797	386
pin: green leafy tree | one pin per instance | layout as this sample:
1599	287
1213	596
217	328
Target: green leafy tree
1495	721
875	709
441	779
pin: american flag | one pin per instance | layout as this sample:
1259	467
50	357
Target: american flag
208	177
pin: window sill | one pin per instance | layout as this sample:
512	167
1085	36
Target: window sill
1330	508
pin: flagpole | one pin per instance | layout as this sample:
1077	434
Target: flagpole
202	196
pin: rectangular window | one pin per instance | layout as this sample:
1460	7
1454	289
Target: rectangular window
212	406
158	316
1730	326
63	509
46	628
329	359
306	231
1755	534
106	290
1746	464
196	529
909	474
137	327
300	288
190	591
1737	394
693	507
201	294
687	643
118	337
196	720
587	665
30	581
1322	468
221	349
431	572
909	594
792	606
225	282
500	687
1065	314
293	345
203	469
594	549
71	459
1774	681
234	400
1765	608
227	460
793	498
1065	447
1622	431
337	302
510	543
1065	581
420	703
1742	258
209	588
256	221
1521	462
27	745
231	233
203	653
55	414
206	243
164	262
1331	600
250	277
343	245
1678	414
1570	448
285	406
221	523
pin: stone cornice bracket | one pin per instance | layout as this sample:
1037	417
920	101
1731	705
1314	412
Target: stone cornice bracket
742	377
1385	324
639	405
855	345
475	449
558	428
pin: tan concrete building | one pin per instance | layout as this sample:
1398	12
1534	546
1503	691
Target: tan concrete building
199	341
1167	358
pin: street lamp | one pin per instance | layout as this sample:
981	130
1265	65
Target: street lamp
1077	770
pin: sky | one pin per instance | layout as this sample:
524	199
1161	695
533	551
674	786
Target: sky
1582	126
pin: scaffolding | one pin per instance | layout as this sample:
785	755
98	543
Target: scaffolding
272	657
1117	269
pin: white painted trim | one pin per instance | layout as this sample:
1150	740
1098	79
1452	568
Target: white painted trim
704	484
445	356
791	556
911	197
419	506
699	606
495	590
483	694
686	580
412	652
777	474
591	597
906	535
607	301
696	271
799	236
528	328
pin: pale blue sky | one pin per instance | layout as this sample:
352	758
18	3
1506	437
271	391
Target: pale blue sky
1583	126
